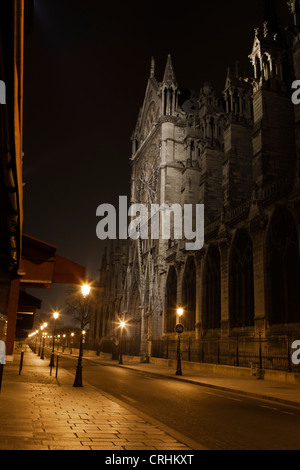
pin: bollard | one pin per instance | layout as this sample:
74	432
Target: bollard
21	362
57	365
1	374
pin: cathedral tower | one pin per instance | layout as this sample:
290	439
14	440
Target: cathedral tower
237	166
273	142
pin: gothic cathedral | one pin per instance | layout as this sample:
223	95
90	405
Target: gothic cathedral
238	154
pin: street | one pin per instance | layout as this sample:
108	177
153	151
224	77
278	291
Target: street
217	420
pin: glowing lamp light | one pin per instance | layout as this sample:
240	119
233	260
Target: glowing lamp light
85	290
56	315
180	312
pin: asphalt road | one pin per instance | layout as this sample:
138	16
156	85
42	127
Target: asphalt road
216	419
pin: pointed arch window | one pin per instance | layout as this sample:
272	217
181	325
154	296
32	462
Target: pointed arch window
212	290
189	294
241	283
171	300
135	312
283	269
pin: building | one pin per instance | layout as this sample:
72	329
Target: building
238	154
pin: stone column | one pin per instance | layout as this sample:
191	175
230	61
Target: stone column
225	252
258	233
144	333
199	293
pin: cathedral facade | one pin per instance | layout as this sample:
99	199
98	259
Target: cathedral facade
238	154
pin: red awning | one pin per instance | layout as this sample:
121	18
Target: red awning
28	303
41	266
67	272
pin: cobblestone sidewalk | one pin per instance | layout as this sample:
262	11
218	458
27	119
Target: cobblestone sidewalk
39	412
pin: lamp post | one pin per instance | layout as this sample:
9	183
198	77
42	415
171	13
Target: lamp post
40	345
55	316
35	333
71	343
43	340
42	350
179	330
85	291
122	326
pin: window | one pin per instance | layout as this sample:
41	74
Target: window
171	301
212	290
283	269
189	295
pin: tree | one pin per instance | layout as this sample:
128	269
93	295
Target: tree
78	307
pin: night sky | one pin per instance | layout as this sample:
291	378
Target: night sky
86	69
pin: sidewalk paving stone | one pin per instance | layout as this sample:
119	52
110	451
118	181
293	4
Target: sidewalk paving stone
39	412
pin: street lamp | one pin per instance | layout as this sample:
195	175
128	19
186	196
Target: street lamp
55	316
40	345
122	326
180	312
85	291
179	330
71	343
64	339
35	333
43	340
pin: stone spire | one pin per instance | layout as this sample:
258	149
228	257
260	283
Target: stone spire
152	69
169	90
169	75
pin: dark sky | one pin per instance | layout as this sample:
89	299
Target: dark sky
86	69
